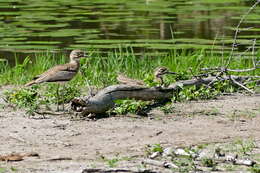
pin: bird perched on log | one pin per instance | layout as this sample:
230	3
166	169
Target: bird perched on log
159	72
60	73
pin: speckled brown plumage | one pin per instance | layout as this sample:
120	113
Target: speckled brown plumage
159	72
60	73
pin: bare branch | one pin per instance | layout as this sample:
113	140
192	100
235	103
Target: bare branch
223	69
241	85
237	31
105	98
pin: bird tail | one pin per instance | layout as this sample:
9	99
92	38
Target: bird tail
29	83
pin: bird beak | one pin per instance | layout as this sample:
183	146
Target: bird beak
169	72
87	55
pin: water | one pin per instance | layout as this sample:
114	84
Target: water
147	26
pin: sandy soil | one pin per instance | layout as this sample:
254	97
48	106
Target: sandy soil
86	142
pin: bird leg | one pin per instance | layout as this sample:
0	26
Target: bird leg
57	97
63	96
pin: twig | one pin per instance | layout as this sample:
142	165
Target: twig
51	113
237	30
105	98
59	159
164	164
241	85
222	69
90	170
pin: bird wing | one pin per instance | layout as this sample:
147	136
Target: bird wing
58	73
53	69
126	80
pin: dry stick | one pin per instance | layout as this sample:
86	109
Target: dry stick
253	53
50	113
237	30
104	99
217	77
222	69
241	85
94	170
164	164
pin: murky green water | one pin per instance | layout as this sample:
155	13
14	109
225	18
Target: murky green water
147	26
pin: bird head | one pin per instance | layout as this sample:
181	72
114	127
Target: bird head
75	55
159	71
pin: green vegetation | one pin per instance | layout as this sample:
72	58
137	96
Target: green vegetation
207	157
242	114
255	169
33	98
6	170
208	162
104	69
114	161
129	106
101	71
3	170
149	149
245	146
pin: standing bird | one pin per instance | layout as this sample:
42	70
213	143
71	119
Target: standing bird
60	73
159	72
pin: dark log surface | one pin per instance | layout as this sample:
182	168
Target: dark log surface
105	98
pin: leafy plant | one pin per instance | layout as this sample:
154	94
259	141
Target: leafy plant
32	98
149	80
3	170
157	148
208	162
129	106
25	97
245	146
153	148
167	109
255	169
185	164
195	93
112	162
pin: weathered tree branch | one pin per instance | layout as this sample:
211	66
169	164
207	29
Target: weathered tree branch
105	99
90	170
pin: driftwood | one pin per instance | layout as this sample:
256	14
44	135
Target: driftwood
105	98
17	156
163	164
90	170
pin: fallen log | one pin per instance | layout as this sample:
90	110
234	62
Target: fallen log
105	98
92	170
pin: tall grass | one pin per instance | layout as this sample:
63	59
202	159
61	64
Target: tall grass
101	70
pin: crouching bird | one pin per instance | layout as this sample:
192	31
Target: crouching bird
60	73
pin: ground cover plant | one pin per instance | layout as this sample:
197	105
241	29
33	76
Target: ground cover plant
101	71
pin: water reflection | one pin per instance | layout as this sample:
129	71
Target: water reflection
149	25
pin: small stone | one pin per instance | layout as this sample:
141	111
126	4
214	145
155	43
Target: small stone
154	155
181	152
168	151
